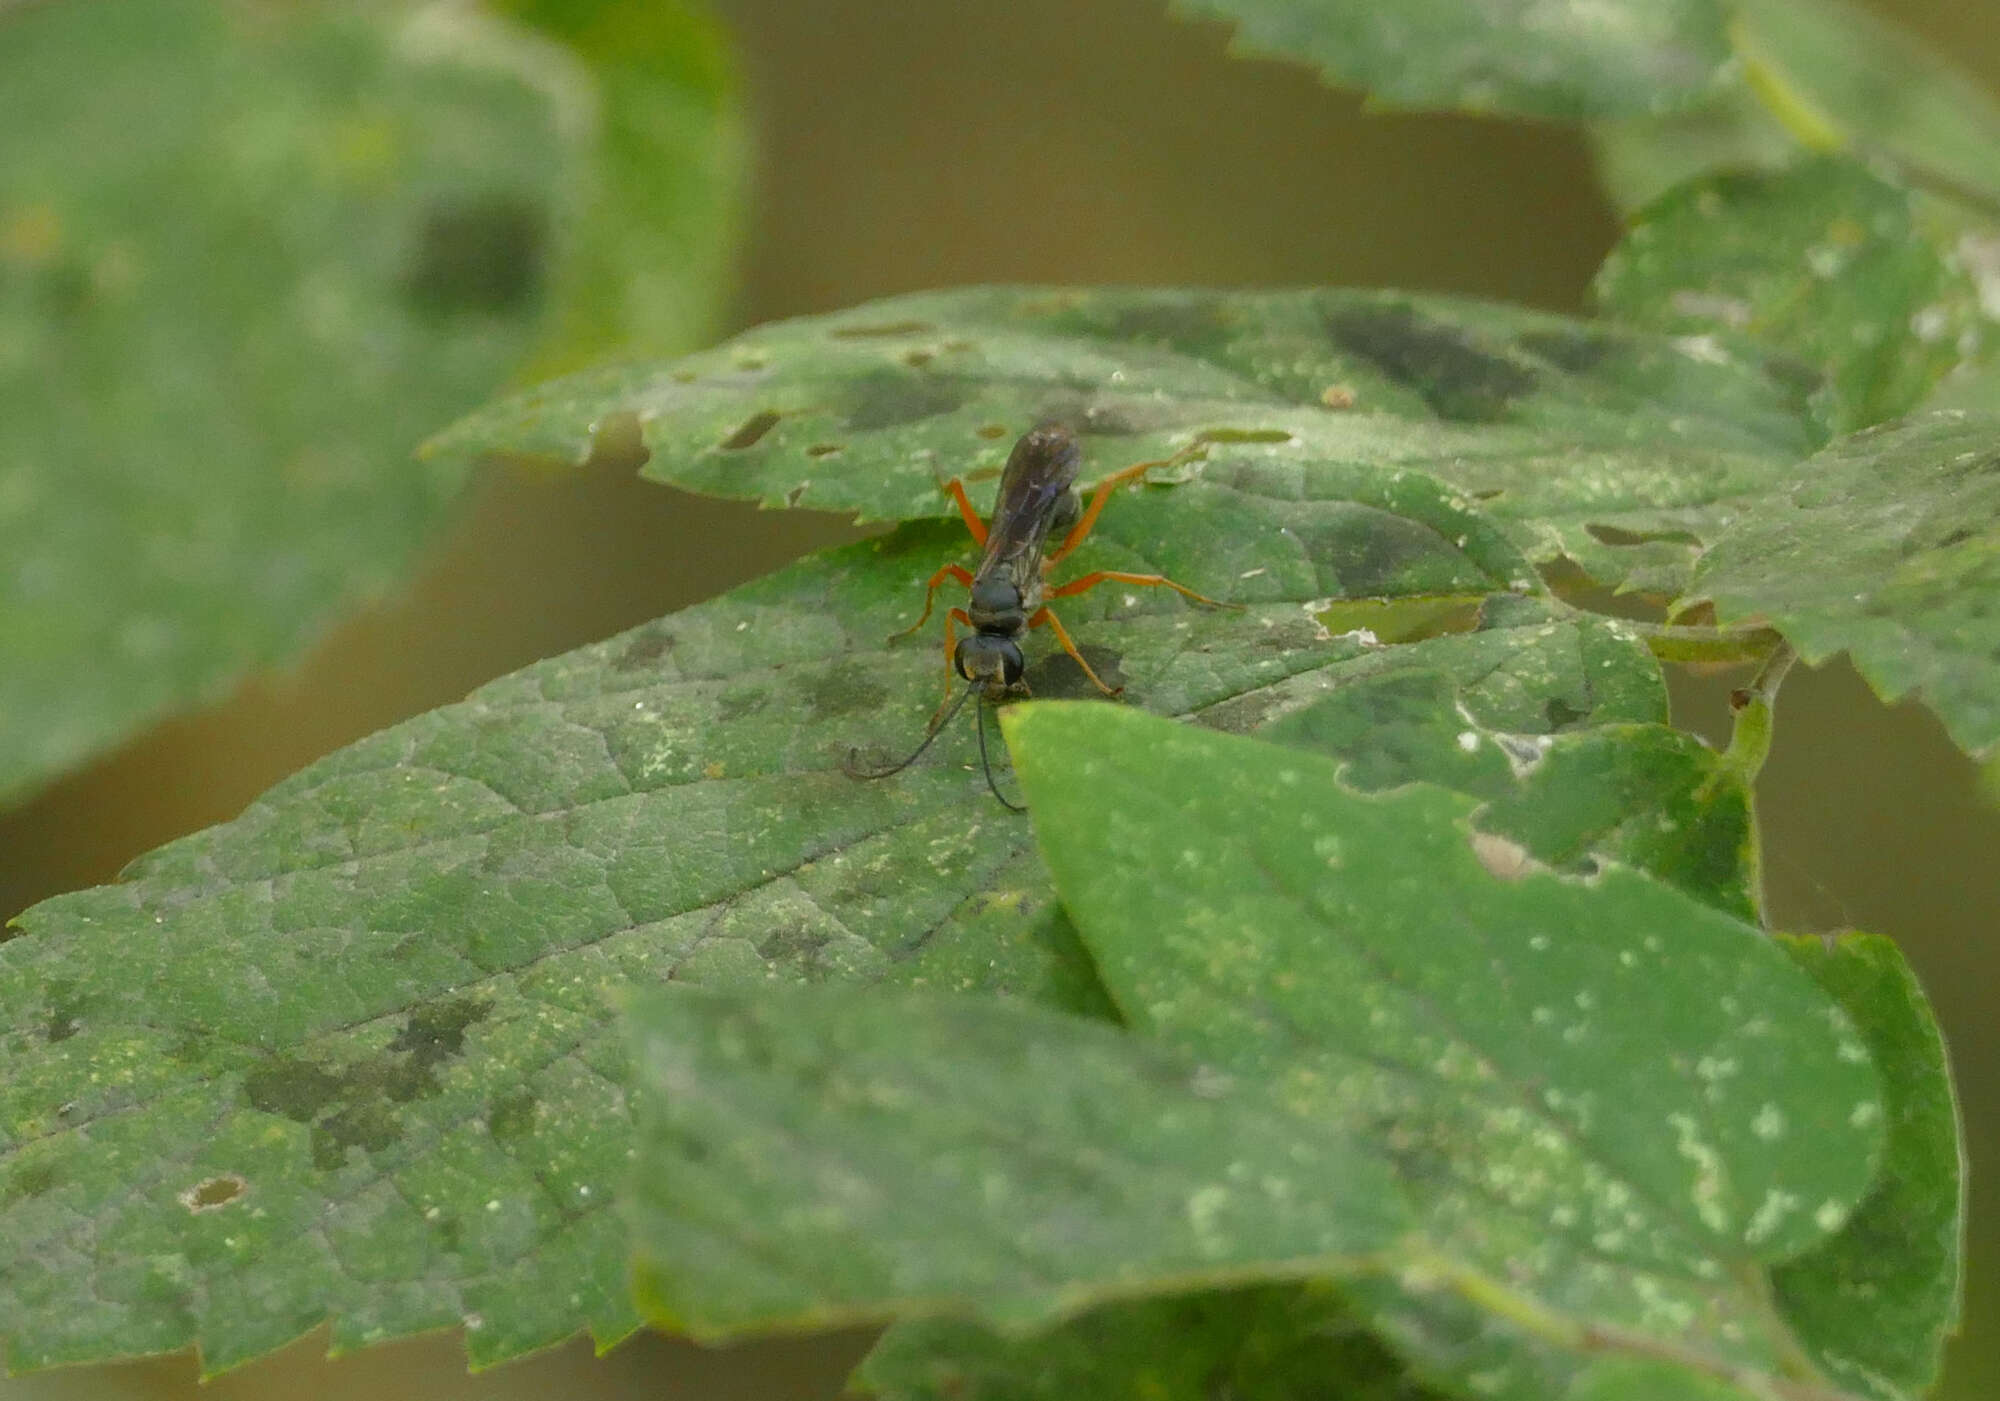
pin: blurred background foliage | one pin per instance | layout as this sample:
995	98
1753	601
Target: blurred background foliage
898	145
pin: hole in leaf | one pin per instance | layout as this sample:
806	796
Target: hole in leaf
792	496
1616	537
881	328
752	429
1393	620
618	443
1243	435
214	1192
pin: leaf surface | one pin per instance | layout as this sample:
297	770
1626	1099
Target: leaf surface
381	998
248	258
1619	450
1824	261
1621	1103
1514	57
1838	72
808	1160
1885	546
1877	1301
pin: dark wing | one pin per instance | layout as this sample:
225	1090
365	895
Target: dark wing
1040	472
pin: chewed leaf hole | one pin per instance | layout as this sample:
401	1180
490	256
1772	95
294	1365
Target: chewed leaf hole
1612	535
1393	620
1243	435
214	1192
618	443
884	328
752	429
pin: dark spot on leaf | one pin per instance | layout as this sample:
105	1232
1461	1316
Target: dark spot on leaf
1560	714
1057	676
1188	321
993	431
734	705
888	401
793	496
865	330
793	945
1486	493
1578	352
479	253
214	1192
512	1116
750	431
1956	537
294	1088
843	689
63	290
916	359
29	1180
371	1125
1458	379
823	449
1243	435
683	376
449	1233
64	1005
647	646
434	1034
1801	378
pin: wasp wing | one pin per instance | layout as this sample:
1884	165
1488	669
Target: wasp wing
1039	476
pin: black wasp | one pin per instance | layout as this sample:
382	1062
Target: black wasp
1008	592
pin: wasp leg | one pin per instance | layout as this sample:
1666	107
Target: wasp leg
956	615
950	571
972	521
1091	581
1044	616
1103	492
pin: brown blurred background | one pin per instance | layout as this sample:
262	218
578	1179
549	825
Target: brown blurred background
906	144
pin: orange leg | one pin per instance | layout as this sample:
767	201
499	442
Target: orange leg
956	615
1042	616
1103	494
950	571
972	521
1091	581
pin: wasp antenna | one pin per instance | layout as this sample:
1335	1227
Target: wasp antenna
854	770
986	767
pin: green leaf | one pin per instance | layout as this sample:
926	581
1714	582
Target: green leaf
1829	73
807	1160
249	256
1885	547
1512	57
1646	795
1273	1343
1621	451
655	214
1614	1107
380	998
1877	1302
1824	261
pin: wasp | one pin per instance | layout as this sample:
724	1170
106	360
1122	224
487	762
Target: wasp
1008	594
